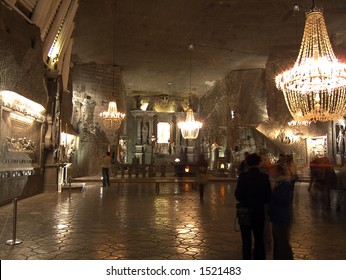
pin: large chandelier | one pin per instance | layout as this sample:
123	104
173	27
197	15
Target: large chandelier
314	89
190	127
112	119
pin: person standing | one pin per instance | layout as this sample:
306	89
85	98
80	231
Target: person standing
243	164
202	169
253	191
280	214
291	170
105	165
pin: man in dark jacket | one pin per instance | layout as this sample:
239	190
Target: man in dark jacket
253	191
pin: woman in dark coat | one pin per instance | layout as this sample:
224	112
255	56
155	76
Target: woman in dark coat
280	214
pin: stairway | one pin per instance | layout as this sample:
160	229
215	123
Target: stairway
263	142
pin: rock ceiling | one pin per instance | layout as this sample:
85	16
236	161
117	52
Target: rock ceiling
152	38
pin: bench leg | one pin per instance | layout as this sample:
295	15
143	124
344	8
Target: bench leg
157	187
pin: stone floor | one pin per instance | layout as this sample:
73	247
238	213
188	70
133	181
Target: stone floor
133	222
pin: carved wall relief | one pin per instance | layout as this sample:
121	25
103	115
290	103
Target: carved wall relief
88	113
165	104
20	137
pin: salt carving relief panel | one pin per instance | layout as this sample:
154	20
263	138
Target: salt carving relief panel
20	146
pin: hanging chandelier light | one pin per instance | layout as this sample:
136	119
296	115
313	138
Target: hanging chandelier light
190	127
314	89
111	118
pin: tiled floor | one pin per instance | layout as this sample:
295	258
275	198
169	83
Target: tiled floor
133	222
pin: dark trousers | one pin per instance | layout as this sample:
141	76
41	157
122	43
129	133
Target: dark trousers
257	230
201	191
105	177
282	247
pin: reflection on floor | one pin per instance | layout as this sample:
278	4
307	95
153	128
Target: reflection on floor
134	222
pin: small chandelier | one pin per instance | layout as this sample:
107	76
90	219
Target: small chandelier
112	119
314	89
190	128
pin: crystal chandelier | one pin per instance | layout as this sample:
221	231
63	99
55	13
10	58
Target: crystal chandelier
112	119
314	89
190	127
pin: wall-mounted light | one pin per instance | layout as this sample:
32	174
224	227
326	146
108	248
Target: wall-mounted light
20	118
63	139
144	105
298	123
21	104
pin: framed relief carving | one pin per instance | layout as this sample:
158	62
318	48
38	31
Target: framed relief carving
20	135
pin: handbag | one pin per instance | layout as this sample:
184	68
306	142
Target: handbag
243	215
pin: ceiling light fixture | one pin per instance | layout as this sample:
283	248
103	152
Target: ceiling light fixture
315	88
111	118
18	103
190	127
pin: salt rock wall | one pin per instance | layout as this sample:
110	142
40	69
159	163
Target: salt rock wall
22	71
21	66
94	86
